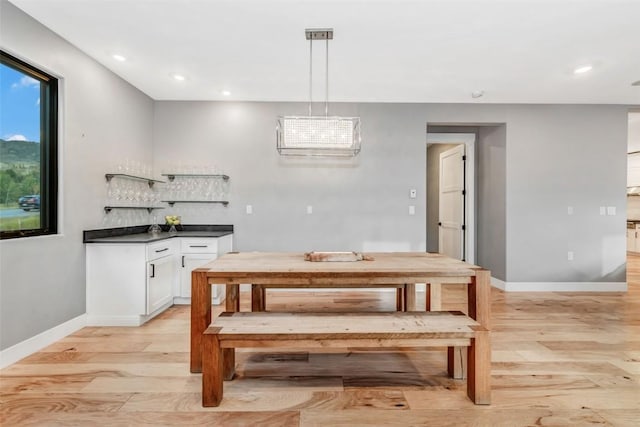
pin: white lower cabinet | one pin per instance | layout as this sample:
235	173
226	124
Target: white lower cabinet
161	276
130	283
189	263
196	252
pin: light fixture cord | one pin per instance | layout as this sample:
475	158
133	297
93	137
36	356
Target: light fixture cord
326	94
310	71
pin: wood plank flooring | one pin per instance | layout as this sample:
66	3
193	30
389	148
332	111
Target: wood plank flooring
559	359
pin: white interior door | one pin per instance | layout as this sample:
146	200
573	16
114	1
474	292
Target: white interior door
451	210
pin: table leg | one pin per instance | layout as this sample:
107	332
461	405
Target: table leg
200	315
410	297
400	299
433	297
257	298
457	362
232	302
479	298
228	363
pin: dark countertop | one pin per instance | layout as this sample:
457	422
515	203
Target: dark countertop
138	234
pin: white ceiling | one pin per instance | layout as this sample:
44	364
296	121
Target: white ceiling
518	51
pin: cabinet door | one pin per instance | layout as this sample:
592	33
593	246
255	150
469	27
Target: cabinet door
160	278
189	263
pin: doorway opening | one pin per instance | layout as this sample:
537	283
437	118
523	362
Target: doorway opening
451	194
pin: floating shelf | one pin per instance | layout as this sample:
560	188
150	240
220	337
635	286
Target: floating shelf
172	202
108	209
172	176
149	181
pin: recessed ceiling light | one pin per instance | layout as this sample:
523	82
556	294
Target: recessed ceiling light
583	69
225	93
118	57
178	77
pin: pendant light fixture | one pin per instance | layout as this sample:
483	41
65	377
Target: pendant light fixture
318	135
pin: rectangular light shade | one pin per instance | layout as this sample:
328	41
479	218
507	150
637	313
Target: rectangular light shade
318	136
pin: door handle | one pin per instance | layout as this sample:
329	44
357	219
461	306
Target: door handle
439	224
198	246
182	261
162	250
153	271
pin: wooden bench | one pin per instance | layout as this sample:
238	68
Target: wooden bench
342	330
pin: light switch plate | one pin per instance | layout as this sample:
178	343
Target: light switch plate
413	193
611	210
569	210
249	209
570	256
309	210
603	210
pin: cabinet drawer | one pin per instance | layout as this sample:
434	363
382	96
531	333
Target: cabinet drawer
160	249
199	246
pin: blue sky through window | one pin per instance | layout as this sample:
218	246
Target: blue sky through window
19	106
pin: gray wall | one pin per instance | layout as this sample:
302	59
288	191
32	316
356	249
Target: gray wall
560	156
555	157
104	119
358	204
491	191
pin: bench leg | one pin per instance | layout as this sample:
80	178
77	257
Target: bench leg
479	378
212	370
229	363
410	297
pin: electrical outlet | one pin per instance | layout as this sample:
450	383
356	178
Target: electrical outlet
412	210
249	209
569	210
309	210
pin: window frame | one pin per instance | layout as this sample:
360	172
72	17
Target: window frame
49	119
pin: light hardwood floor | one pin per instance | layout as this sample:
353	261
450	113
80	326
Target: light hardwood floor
561	359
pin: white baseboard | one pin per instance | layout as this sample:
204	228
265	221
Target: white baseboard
497	283
29	346
562	286
110	320
126	319
187	301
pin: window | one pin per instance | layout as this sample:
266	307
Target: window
28	150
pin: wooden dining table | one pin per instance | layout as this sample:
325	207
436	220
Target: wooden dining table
290	270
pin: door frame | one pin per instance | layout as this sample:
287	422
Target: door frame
469	140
